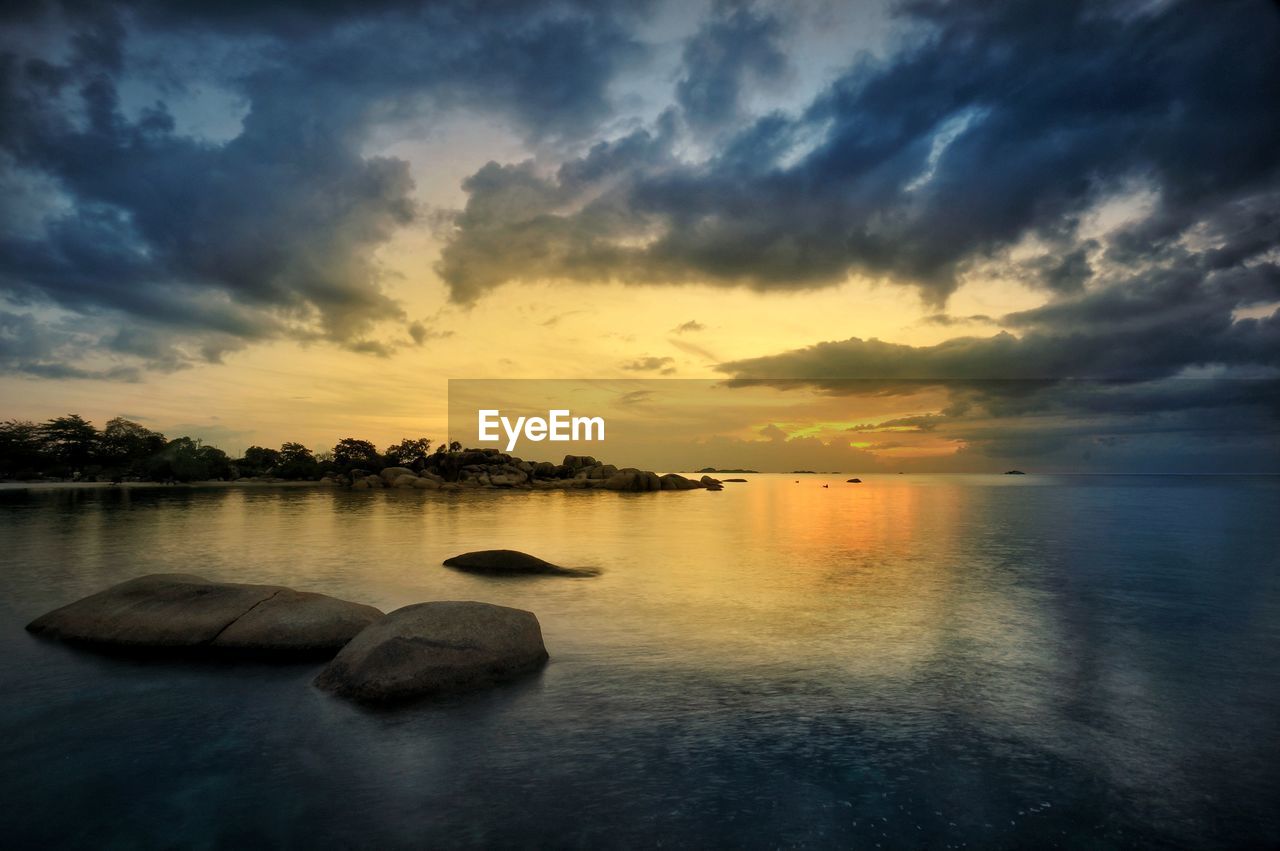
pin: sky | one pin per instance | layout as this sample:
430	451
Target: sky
908	229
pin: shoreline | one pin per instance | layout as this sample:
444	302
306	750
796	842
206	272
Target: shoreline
218	484
215	483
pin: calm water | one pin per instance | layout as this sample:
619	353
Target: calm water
995	661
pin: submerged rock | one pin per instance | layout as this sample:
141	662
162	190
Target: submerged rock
512	563
178	611
711	484
733	480
435	648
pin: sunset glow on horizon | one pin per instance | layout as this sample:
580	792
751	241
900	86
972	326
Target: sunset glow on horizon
306	242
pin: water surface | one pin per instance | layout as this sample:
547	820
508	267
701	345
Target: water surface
950	661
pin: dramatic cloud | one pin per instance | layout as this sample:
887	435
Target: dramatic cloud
734	49
996	126
273	232
1119	159
1161	352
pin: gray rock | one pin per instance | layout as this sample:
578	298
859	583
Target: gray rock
507	478
677	482
512	563
390	474
433	649
178	611
631	480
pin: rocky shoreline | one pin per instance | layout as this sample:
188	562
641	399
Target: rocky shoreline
493	469
419	651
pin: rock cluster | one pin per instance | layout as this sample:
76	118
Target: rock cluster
490	468
421	650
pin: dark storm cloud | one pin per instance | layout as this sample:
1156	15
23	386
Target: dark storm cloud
735	49
30	347
1107	363
946	320
997	123
271	233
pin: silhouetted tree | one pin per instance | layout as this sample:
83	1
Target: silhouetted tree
297	462
351	454
69	442
215	463
258	461
409	453
21	449
125	445
183	459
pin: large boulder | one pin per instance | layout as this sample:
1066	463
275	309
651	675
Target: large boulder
178	611
512	563
435	648
507	477
631	480
577	462
677	482
390	474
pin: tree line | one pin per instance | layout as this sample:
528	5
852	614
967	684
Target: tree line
71	447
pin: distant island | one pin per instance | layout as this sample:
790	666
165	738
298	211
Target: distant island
1014	473
714	470
72	449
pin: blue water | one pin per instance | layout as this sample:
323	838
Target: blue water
951	661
